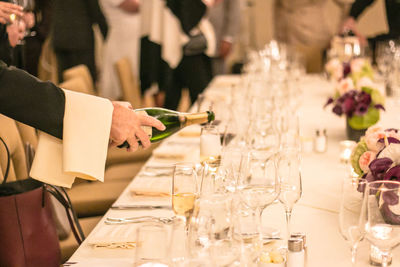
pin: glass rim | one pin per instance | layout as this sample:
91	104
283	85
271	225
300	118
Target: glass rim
375	185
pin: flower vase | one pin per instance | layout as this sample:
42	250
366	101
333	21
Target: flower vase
353	134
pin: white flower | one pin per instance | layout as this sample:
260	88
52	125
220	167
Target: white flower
357	64
335	68
392	151
365	82
345	85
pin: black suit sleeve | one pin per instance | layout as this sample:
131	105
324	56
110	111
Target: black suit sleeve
189	12
31	101
97	16
359	6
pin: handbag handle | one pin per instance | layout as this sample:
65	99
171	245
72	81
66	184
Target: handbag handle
8	162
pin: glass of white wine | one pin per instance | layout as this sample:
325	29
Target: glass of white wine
290	179
210	144
184	190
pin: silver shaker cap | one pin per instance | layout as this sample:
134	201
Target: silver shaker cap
295	244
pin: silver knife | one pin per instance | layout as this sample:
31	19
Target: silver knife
140	207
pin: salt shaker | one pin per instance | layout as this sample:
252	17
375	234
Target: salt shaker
320	141
295	256
303	237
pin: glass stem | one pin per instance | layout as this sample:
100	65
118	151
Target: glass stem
288	217
354	254
259	221
385	258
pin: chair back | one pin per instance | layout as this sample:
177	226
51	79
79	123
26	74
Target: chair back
47	69
76	84
128	82
81	71
9	132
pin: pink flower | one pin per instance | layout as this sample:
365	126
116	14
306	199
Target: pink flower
345	85
372	136
365	160
357	64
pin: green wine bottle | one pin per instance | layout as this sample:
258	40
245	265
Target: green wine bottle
173	121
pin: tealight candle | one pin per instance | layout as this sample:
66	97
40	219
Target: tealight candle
347	149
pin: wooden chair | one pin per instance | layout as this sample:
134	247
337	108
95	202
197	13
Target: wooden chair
81	71
129	84
76	84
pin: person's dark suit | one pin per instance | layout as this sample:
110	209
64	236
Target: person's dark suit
72	33
31	101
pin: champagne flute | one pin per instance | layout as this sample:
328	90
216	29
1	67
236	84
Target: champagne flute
379	216
349	213
184	190
210	144
290	182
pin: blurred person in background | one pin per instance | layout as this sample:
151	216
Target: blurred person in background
392	16
176	45
123	40
72	33
225	18
302	25
34	41
12	33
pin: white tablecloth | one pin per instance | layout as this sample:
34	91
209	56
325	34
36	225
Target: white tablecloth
316	214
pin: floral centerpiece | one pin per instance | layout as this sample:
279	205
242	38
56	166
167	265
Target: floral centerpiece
377	157
356	95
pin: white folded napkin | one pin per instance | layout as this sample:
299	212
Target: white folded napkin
83	150
114	236
175	152
151	187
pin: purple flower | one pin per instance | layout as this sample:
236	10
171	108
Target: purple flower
364	98
346	69
393	174
379	106
391	129
348	106
337	109
330	101
361	109
390	140
388	215
379	167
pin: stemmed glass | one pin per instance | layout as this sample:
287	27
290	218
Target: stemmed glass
184	190
210	144
349	213
290	181
378	217
259	186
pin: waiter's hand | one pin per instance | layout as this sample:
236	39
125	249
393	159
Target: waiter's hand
351	24
9	12
225	48
126	126
16	32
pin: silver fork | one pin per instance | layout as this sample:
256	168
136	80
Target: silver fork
112	221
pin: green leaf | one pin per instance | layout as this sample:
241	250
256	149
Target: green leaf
377	97
355	156
365	121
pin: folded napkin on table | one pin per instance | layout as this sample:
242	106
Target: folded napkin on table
173	151
151	187
114	236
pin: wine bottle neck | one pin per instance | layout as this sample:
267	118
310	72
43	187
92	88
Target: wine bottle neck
195	118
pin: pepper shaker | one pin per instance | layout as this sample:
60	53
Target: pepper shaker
295	256
320	145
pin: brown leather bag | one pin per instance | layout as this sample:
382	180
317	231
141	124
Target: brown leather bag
27	230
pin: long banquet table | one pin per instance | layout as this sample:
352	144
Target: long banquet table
316	214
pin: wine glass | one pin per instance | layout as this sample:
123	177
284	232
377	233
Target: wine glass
259	186
211	230
349	213
290	182
379	216
184	190
262	135
210	144
152	249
